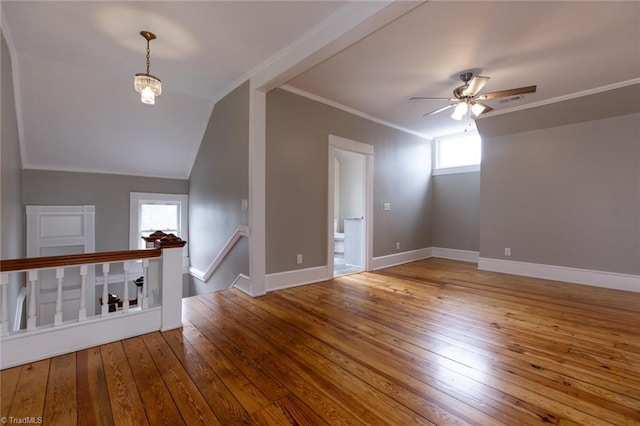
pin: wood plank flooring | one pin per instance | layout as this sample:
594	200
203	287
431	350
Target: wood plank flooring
430	342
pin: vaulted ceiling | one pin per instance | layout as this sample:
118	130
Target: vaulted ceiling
74	64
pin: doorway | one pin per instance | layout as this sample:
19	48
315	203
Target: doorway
350	194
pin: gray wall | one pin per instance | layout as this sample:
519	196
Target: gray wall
218	183
566	195
296	181
12	227
456	211
109	193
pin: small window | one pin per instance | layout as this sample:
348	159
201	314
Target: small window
159	217
151	212
457	154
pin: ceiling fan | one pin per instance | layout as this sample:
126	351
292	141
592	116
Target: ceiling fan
466	97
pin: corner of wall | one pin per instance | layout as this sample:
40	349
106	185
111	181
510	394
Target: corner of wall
218	190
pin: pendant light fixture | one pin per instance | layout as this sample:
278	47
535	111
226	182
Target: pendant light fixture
146	84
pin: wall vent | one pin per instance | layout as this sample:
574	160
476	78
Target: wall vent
511	99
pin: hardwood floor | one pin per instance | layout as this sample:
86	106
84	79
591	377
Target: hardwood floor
431	342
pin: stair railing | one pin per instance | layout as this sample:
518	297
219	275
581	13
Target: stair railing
158	302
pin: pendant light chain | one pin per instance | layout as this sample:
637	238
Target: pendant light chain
148	57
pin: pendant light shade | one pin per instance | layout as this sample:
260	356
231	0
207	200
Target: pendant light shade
146	84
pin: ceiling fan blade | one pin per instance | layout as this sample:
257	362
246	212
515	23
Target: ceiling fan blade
435	111
486	107
504	93
476	84
420	98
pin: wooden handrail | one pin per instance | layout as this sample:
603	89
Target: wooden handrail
12	265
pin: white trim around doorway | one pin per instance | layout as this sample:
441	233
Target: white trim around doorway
337	142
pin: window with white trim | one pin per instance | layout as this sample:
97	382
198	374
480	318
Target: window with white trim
150	212
457	154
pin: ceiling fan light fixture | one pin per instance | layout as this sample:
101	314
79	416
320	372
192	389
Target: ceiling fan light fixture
477	109
467	97
147	85
460	111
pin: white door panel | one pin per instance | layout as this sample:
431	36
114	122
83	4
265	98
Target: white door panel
58	231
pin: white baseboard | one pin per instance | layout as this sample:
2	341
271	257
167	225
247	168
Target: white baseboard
22	348
400	258
603	279
455	254
197	273
288	279
242	283
282	280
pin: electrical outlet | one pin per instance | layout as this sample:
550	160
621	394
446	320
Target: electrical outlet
507	251
398	246
299	259
245	204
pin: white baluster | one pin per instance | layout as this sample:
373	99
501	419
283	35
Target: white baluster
125	297
145	283
4	282
57	319
31	314
105	290
82	313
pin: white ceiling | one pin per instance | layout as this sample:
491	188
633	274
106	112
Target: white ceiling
76	60
562	47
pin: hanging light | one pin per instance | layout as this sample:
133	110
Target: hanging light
460	111
147	85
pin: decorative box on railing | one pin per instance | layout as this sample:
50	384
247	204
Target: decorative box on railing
169	240
151	239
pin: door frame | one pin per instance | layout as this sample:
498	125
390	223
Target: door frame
337	142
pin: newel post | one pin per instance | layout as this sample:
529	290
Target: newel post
171	281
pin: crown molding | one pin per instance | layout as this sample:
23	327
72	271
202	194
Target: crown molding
350	110
28	166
